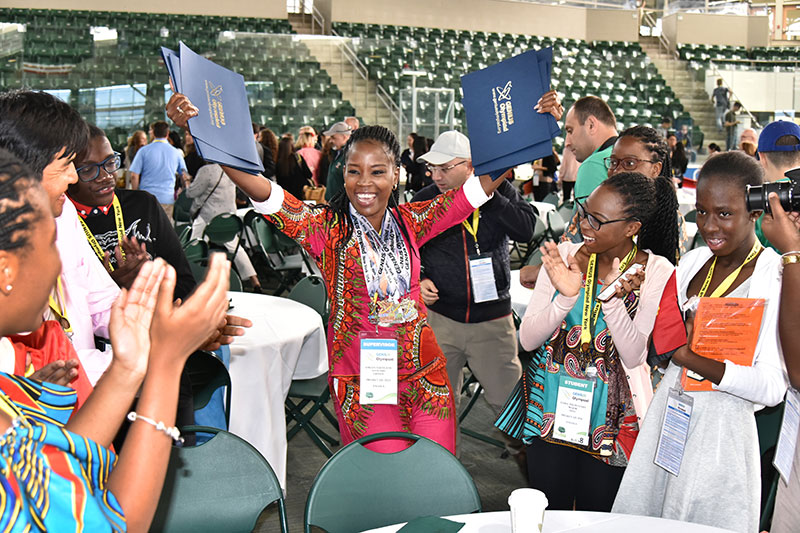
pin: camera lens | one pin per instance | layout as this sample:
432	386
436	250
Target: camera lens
757	196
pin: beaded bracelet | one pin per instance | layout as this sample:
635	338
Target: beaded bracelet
172	432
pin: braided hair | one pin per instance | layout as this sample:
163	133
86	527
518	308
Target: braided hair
17	214
339	206
655	143
654	204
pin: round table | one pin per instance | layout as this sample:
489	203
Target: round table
286	342
572	521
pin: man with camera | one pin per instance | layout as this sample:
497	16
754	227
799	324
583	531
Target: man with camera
778	153
782	228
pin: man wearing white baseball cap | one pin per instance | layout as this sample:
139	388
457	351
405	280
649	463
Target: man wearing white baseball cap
339	134
466	274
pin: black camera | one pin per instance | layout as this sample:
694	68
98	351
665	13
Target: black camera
757	196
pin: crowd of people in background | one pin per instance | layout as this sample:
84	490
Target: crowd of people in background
399	234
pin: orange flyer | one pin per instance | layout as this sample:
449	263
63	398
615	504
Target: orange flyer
725	329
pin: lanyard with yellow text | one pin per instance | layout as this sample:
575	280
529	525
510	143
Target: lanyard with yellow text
727	282
58	305
472	229
589	316
118	222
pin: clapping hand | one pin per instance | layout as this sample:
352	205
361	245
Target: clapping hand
179	329
131	316
627	284
229	327
566	277
128	267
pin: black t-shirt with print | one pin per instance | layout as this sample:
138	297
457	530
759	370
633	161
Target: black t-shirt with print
146	220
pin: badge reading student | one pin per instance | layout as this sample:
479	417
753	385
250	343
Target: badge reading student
573	410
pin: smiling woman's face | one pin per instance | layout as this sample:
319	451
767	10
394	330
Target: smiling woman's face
99	191
370	175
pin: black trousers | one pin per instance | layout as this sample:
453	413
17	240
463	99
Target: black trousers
566	189
572	479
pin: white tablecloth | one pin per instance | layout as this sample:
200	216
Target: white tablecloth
572	521
286	341
520	296
686	199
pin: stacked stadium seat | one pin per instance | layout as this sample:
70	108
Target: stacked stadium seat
287	87
619	72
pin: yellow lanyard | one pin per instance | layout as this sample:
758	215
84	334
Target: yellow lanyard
472	229
589	316
723	287
120	224
58	305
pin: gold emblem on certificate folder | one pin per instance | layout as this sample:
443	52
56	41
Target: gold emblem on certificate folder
214	95
503	111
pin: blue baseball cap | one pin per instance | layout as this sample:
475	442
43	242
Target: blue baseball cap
774	131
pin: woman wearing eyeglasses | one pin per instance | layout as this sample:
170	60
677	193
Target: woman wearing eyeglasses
582	398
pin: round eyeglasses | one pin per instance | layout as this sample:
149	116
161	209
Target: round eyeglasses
91	171
628	163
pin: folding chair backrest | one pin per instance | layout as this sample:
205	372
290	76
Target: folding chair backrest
566	209
691	216
264	234
196	251
359	489
311	291
556	224
223	228
181	211
551	198
208	373
221	485
539	231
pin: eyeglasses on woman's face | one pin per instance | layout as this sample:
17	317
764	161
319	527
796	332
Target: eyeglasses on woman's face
628	164
594	222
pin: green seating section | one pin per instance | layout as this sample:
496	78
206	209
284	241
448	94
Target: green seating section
759	57
287	88
619	72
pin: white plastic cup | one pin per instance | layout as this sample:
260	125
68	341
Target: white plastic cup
527	510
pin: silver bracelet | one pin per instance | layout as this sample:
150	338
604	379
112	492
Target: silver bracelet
172	432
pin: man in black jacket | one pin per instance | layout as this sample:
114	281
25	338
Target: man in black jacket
466	276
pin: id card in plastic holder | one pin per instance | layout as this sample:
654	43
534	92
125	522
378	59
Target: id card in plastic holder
674	431
481	272
378	366
787	439
573	409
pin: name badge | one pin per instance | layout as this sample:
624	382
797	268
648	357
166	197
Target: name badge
787	439
484	288
573	410
674	431
378	371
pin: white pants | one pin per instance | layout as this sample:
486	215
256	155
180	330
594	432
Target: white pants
243	265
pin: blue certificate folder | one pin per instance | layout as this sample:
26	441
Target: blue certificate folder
504	128
222	130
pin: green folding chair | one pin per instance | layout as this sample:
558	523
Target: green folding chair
199	273
307	397
223	229
288	269
359	489
196	251
221	485
208	373
181	211
555	225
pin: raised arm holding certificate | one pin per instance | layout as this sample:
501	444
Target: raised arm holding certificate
725	329
221	131
505	128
